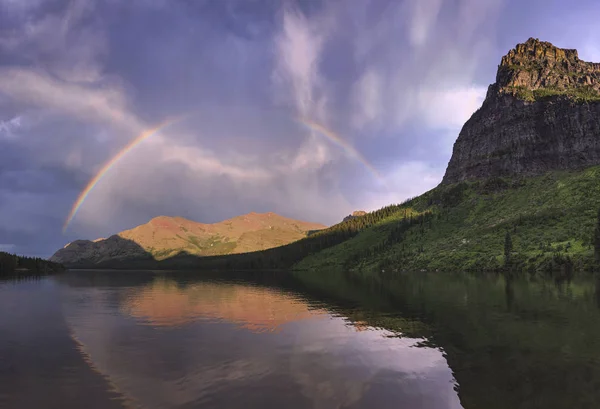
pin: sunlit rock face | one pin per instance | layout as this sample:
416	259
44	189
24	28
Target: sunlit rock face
164	237
541	114
354	215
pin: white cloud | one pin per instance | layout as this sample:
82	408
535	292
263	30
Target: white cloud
59	42
449	109
100	103
206	163
298	54
401	69
422	20
368	99
591	51
472	14
406	180
105	104
427	77
8	127
296	75
312	156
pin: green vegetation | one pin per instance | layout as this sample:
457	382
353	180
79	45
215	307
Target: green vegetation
212	245
286	256
544	224
550	220
579	94
11	264
596	241
507	249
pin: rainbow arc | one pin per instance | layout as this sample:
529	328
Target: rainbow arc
340	142
109	165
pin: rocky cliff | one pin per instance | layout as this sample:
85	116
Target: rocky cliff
164	237
354	215
541	114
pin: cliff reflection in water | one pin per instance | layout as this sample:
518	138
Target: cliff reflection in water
521	342
166	303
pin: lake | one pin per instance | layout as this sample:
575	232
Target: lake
125	339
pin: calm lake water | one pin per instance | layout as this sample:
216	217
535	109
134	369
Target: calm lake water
93	339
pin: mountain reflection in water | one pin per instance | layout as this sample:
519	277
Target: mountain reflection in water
183	341
307	340
165	303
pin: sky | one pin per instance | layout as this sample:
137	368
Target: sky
310	109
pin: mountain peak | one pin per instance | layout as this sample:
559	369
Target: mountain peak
541	114
166	236
535	50
536	69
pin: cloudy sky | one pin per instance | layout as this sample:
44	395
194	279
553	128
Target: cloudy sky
395	80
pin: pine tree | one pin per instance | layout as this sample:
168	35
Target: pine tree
596	240
507	247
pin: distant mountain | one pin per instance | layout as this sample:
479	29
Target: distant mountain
164	237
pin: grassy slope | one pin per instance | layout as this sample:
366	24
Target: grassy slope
549	217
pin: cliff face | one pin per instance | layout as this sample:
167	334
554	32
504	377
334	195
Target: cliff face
541	114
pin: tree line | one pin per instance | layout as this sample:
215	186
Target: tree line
11	264
284	257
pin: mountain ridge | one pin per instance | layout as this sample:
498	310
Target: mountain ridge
526	165
164	236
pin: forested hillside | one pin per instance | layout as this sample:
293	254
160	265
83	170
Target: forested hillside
282	257
11	264
550	222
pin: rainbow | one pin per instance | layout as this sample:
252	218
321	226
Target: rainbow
108	165
337	140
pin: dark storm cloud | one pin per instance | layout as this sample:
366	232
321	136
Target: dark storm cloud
80	79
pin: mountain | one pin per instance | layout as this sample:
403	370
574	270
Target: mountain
541	114
524	165
521	191
164	237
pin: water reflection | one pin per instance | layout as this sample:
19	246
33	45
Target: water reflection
313	340
511	342
166	303
40	365
204	343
